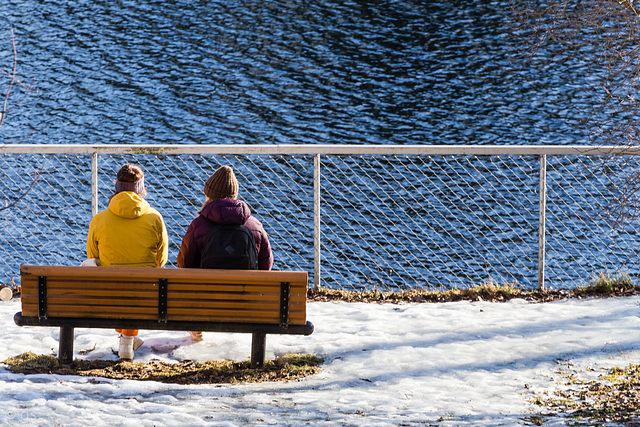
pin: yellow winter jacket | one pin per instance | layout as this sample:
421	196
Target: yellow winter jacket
129	233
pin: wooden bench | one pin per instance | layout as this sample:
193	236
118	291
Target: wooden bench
250	301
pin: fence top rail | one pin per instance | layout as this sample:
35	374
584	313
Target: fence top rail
312	149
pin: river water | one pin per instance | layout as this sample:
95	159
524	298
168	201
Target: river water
250	72
298	72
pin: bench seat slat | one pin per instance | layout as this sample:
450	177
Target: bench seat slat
32	309
79	301
254	305
190	314
60	286
153	286
190	317
227	287
131	294
191	275
54	292
178	296
102	311
251	316
191	298
152	299
32	284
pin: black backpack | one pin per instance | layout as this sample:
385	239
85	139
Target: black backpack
229	246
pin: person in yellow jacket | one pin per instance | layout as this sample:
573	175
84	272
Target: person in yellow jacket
130	233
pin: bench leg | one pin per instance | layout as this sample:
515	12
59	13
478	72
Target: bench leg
258	346
65	349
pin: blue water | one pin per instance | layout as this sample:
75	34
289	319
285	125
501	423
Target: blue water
298	72
250	72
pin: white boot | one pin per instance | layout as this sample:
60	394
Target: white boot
137	342
196	335
126	348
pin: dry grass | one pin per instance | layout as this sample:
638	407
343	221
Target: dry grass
284	368
602	286
614	399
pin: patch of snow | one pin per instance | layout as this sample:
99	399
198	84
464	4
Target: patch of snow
450	364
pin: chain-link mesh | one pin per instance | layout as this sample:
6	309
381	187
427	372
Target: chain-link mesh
387	222
423	222
582	241
45	209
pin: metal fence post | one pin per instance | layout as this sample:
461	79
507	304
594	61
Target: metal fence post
316	221
94	184
542	221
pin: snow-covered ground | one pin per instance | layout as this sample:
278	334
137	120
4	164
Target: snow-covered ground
452	364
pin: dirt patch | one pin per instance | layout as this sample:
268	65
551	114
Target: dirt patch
613	398
285	368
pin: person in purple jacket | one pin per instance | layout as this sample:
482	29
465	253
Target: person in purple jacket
223	207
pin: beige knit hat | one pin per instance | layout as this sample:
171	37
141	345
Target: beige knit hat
222	184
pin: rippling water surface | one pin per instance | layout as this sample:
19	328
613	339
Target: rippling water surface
298	72
248	72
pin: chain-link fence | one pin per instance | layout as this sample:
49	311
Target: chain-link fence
386	218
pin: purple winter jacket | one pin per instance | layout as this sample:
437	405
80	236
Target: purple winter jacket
223	211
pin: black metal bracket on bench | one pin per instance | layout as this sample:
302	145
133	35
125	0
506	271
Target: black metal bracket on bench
42	297
163	285
285	292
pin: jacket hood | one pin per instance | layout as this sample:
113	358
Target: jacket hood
128	204
226	211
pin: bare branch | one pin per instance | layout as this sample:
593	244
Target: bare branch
13	80
604	36
628	4
3	113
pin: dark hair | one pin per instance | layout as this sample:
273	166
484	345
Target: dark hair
127	174
130	173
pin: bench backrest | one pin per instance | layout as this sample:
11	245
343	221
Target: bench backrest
247	296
